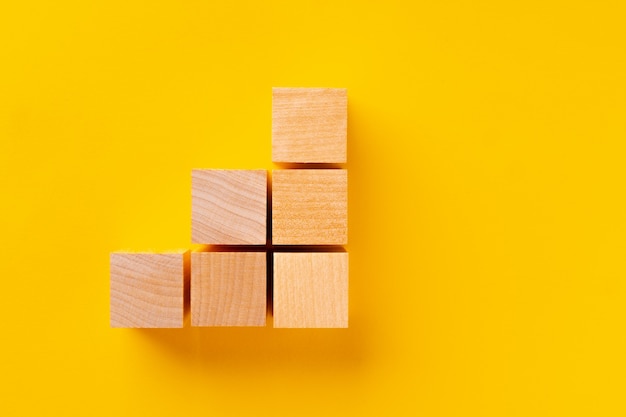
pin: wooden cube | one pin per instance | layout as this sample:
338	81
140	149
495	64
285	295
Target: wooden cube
228	288
229	207
147	289
309	125
311	289
310	207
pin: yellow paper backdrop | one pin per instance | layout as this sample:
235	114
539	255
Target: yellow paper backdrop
486	206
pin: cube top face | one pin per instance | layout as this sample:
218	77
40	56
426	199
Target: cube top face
229	207
228	288
309	125
311	290
147	290
310	207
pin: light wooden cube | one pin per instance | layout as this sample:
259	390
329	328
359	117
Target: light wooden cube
309	125
311	289
229	207
310	207
228	288
147	289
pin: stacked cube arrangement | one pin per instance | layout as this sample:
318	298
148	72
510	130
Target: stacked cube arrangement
309	226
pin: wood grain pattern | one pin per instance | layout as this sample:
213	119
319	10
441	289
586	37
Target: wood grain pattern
311	289
147	289
309	125
310	207
228	288
229	207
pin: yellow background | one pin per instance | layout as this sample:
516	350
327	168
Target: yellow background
487	216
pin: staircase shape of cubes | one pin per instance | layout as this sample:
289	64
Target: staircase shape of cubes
307	266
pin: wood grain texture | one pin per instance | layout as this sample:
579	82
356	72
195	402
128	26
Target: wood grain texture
309	125
229	207
147	289
311	289
310	207
228	288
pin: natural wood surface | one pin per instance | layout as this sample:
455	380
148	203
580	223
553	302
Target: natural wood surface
147	289
228	288
311	289
310	207
309	125
229	207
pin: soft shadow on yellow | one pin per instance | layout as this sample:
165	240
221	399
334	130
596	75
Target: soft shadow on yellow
260	349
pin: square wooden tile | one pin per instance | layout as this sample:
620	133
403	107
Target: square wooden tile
309	125
228	288
311	289
147	289
310	207
229	207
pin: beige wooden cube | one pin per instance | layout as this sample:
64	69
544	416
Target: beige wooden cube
228	288
311	289
229	207
310	207
309	125
147	289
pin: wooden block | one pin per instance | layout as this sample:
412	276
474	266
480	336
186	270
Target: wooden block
228	288
309	125
310	207
147	289
229	207
311	289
